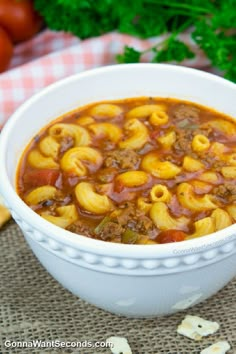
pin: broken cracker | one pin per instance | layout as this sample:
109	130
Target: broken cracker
119	345
195	327
218	348
4	213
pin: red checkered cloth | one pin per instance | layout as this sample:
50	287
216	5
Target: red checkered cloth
51	56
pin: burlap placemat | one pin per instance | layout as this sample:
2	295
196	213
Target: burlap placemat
34	306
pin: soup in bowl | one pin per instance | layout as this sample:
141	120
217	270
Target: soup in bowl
122	180
136	171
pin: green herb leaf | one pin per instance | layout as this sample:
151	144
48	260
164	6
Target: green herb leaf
130	55
174	50
212	21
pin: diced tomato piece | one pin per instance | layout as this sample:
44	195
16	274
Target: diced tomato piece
169	236
37	178
155	134
119	187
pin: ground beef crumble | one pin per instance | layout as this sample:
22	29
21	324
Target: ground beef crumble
111	230
81	227
129	218
125	159
184	111
183	142
226	191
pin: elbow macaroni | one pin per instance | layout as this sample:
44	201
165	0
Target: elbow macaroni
229	172
144	205
209	176
164	221
218	220
232	211
49	147
85	120
200	143
167	140
192	165
73	161
231	159
222	125
66	215
91	201
37	160
160	169
133	178
203	227
106	130
217	149
158	118
105	111
40	194
79	134
187	199
160	193
221	219
145	111
138	135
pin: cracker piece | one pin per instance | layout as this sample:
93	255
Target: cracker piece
119	345
195	327
218	348
4	213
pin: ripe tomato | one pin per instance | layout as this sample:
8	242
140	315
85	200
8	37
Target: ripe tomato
19	19
6	50
169	236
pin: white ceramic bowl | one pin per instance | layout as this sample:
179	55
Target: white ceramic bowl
132	280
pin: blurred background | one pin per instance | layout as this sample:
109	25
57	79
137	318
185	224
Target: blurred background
42	41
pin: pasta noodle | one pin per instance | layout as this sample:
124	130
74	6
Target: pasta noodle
189	200
106	130
90	200
144	205
105	111
49	147
133	178
37	160
167	140
79	134
73	160
160	193
41	194
138	135
200	143
66	216
223	126
165	170
192	165
203	227
144	111
229	172
221	219
158	118
164	221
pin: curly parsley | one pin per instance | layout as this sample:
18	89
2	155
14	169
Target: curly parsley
213	24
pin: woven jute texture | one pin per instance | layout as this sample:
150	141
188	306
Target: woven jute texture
34	306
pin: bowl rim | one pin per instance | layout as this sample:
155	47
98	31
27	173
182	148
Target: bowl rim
81	242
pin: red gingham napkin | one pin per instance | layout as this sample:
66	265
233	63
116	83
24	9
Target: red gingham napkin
51	56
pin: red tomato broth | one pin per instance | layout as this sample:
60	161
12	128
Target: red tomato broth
124	197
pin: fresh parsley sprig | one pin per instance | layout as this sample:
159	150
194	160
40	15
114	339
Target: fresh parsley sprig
213	24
